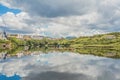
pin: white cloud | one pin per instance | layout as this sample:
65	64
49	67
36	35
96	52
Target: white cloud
66	18
16	22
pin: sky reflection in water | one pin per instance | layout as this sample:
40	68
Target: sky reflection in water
61	66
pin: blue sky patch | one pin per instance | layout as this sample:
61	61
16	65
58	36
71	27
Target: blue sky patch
4	9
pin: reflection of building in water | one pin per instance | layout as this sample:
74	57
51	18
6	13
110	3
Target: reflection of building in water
20	54
3	55
26	48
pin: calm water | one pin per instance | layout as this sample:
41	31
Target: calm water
59	66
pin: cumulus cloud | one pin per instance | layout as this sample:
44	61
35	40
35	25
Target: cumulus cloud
51	8
15	23
57	18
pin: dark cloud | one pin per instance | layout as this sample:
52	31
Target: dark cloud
55	8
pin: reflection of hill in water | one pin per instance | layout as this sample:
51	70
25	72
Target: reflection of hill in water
22	51
105	52
61	66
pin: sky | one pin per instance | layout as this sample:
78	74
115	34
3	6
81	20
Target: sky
60	18
4	10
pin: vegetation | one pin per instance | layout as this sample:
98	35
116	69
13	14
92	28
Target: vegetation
107	45
111	40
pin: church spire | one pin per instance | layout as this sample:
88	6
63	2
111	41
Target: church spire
4	34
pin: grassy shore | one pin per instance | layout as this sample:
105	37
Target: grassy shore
107	45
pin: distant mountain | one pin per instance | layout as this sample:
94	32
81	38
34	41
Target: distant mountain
70	37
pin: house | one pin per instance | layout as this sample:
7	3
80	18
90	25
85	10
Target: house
37	37
26	37
19	36
109	36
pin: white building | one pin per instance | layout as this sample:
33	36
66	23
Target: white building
110	37
19	36
37	37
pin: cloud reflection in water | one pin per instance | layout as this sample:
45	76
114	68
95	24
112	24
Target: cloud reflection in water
62	66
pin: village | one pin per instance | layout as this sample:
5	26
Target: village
4	36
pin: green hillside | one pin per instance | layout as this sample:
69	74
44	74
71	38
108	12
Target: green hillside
110	40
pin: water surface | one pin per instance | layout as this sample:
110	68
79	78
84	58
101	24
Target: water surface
59	66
